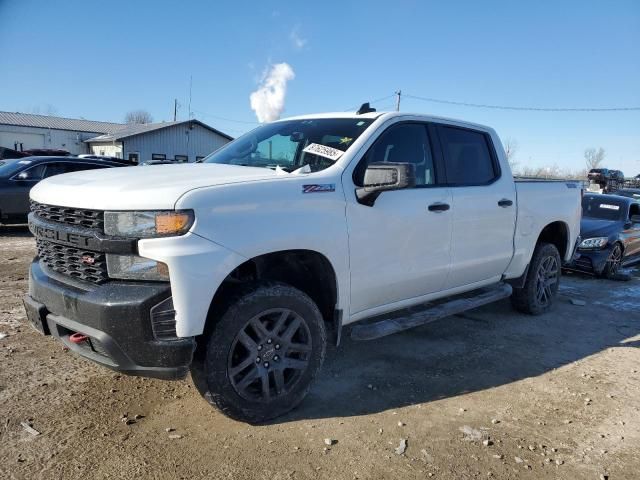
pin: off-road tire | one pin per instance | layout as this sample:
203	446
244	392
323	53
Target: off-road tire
527	298
212	375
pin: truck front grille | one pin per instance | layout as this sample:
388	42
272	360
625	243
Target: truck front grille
81	217
75	262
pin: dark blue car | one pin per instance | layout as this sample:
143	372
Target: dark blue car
610	231
19	175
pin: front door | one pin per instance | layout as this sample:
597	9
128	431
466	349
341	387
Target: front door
400	247
484	207
632	244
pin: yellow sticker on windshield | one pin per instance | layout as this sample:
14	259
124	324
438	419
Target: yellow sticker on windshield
346	140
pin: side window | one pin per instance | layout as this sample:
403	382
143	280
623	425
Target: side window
403	143
467	157
56	168
634	209
34	173
79	167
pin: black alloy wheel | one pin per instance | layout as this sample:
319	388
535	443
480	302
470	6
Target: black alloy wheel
541	283
614	262
546	279
269	355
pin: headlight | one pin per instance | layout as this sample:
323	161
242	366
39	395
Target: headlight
133	267
148	224
596	242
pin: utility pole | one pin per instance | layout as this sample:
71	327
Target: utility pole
399	94
175	109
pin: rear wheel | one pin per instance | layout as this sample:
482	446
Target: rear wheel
614	262
264	353
542	282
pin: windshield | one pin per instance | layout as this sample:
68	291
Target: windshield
603	208
314	144
10	166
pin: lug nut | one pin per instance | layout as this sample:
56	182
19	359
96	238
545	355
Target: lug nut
266	364
258	359
269	341
259	347
277	346
276	358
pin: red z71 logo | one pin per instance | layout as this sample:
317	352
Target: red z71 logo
319	188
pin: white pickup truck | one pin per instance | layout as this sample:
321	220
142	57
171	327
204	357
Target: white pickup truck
243	267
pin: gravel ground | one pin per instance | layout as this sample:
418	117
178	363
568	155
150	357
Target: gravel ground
489	394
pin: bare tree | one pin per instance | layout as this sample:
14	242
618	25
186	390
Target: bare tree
553	171
44	109
138	116
510	149
593	157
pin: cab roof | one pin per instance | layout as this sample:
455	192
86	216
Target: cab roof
386	115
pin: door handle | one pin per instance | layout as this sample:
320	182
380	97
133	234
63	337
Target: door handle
438	207
505	202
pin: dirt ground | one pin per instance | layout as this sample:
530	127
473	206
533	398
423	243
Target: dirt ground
491	393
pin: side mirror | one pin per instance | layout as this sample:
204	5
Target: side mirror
635	219
383	177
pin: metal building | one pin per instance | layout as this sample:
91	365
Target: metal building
24	131
183	141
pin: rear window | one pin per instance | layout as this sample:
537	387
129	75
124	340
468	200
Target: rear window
467	156
603	209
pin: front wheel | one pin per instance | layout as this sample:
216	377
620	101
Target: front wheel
542	282
264	352
613	262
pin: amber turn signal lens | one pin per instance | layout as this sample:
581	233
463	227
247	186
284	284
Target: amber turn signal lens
172	222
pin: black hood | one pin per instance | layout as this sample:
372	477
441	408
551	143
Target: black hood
595	227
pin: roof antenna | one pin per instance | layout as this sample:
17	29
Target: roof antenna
365	108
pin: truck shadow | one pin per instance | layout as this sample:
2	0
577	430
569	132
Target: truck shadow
485	348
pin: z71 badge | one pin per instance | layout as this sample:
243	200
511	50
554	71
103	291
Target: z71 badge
319	188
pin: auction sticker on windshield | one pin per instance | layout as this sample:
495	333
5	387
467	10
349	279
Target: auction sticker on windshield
323	151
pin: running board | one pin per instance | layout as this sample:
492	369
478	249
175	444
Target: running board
382	328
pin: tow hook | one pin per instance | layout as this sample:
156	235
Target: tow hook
77	338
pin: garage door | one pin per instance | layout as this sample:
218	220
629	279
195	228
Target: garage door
28	140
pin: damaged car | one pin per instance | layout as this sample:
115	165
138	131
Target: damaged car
610	234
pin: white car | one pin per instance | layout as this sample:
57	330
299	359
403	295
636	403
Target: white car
243	267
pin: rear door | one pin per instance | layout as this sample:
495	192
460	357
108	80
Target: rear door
399	247
483	209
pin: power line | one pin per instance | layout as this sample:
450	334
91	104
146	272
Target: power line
531	109
371	102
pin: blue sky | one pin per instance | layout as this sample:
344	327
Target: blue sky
98	60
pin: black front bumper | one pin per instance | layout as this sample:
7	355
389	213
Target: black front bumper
592	261
114	316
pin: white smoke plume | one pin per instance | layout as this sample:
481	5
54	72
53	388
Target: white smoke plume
268	100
